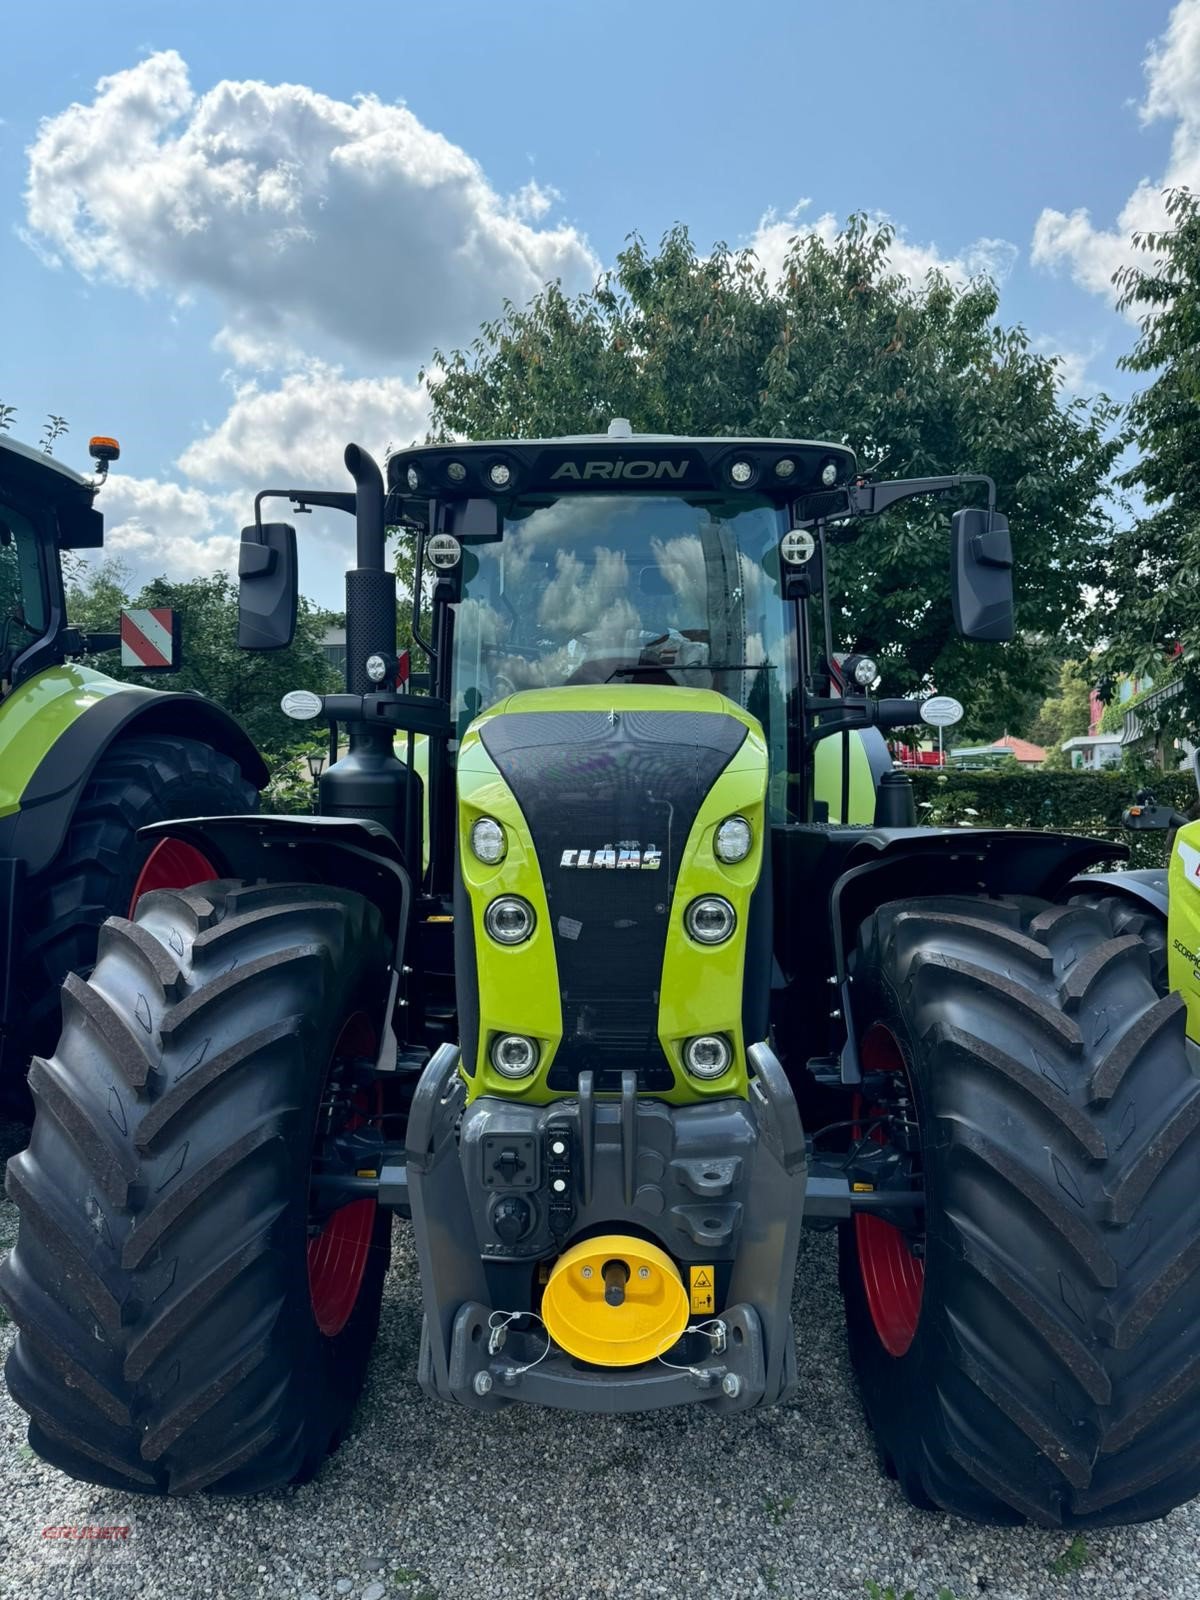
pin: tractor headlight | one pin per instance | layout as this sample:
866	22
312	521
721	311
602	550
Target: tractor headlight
710	920
488	841
513	1055
733	840
708	1056
509	919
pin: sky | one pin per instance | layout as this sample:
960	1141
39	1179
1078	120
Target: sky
231	234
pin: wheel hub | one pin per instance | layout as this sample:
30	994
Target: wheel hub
893	1274
339	1245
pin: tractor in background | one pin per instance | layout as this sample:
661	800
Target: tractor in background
85	761
640	969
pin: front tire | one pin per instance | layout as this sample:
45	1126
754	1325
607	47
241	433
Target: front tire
1037	1354
183	1321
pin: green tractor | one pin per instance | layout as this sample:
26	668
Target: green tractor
613	960
85	761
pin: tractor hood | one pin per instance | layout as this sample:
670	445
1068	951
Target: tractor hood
610	798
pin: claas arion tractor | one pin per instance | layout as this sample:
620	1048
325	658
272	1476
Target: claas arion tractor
613	959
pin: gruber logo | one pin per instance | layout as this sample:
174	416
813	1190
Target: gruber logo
628	854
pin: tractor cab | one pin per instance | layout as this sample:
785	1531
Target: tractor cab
645	563
45	508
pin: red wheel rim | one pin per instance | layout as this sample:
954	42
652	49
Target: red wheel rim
338	1255
893	1278
171	864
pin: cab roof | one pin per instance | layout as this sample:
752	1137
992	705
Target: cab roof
620	460
30	474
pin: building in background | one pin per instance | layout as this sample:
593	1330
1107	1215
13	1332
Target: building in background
1093	752
1004	749
334	645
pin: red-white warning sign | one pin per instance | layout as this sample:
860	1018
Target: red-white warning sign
150	637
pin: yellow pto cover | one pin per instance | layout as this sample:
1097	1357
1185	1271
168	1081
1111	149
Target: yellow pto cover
615	1301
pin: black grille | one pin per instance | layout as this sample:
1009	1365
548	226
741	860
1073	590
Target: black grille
598	781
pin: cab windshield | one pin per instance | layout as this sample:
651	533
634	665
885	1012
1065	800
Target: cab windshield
655	589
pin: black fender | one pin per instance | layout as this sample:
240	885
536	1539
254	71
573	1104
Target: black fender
360	855
35	833
1147	887
853	871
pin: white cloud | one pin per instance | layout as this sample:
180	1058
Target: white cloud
306	217
1072	364
159	527
1071	239
291	435
298	430
775	234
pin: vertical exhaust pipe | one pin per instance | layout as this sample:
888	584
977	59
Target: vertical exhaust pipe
370	587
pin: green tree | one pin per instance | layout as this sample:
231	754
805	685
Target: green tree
918	379
1065	714
249	684
1153	598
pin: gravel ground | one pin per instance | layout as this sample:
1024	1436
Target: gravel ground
425	1502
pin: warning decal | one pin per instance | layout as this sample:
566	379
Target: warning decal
701	1293
149	638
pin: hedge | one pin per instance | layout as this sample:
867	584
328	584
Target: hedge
1070	802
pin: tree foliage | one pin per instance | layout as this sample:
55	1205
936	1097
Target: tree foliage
1065	714
1154	599
918	379
249	684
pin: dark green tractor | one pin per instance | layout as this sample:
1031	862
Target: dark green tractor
614	959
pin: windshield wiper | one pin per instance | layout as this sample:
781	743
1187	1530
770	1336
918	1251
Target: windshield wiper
668	666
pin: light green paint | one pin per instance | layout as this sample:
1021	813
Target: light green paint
618	697
827	779
518	986
701	989
1183	923
36	714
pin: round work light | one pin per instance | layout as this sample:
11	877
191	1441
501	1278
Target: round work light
710	920
509	919
707	1056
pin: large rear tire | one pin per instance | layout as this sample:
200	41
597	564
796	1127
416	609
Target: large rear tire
184	1321
102	863
1033	1351
1126	915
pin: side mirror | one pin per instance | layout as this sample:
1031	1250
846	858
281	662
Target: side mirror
981	575
267	587
150	638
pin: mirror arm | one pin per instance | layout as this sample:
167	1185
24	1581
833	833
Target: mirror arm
870	499
302	500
